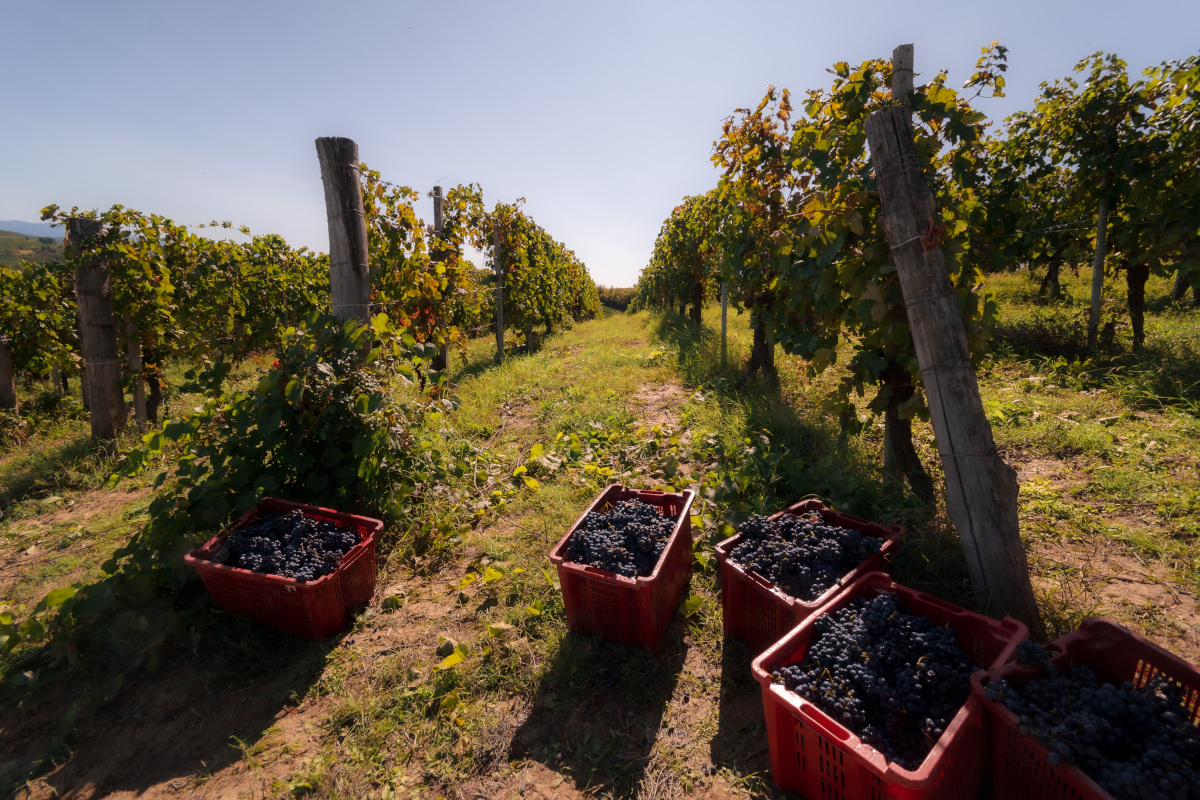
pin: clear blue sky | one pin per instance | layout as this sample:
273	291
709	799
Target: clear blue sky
601	114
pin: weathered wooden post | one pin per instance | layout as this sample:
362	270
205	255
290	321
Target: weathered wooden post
58	383
8	378
724	318
133	346
98	332
498	265
442	360
1181	284
349	272
902	84
981	490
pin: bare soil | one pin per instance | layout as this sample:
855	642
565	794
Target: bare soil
659	404
36	540
1113	582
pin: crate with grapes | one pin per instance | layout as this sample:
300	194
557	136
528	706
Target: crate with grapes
870	696
1103	714
297	567
777	570
625	563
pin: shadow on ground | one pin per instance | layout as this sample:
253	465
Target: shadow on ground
225	686
598	711
740	744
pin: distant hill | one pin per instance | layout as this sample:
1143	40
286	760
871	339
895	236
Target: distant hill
17	247
31	228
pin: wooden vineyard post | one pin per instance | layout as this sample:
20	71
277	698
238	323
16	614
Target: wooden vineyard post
724	319
8	378
98	334
981	490
56	380
133	345
442	361
349	272
902	84
498	265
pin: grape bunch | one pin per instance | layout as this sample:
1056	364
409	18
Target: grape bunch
627	539
802	555
1031	654
1135	742
893	678
288	544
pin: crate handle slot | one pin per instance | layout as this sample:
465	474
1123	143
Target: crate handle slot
803	709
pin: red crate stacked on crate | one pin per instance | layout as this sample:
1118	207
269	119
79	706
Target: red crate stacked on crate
817	757
314	609
631	610
759	613
1020	767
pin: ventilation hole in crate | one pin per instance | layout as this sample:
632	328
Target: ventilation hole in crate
603	602
760	614
831	791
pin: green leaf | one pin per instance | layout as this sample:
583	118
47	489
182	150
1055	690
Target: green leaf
536	609
58	597
492	574
692	605
294	390
32	630
532	484
536	452
269	423
467	580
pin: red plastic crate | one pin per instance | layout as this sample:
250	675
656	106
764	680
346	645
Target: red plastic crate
1020	767
758	612
814	755
314	609
630	610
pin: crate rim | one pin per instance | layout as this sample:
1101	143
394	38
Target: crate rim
558	557
891	544
199	558
875	761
